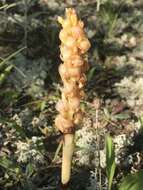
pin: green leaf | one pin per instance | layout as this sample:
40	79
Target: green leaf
5	73
110	160
43	105
121	116
9	165
18	129
91	73
29	170
107	113
5	61
132	182
5	163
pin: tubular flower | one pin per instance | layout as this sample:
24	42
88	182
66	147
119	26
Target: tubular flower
74	45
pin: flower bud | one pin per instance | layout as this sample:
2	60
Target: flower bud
74	103
77	31
84	45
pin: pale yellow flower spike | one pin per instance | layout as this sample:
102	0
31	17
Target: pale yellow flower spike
74	45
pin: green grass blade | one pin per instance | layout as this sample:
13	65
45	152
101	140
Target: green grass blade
110	160
132	182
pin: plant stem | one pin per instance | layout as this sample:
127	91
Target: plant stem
57	151
68	148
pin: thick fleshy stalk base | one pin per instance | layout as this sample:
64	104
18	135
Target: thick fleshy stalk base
68	149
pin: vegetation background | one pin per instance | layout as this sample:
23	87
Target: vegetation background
29	90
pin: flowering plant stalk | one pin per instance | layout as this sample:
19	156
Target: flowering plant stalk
74	45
